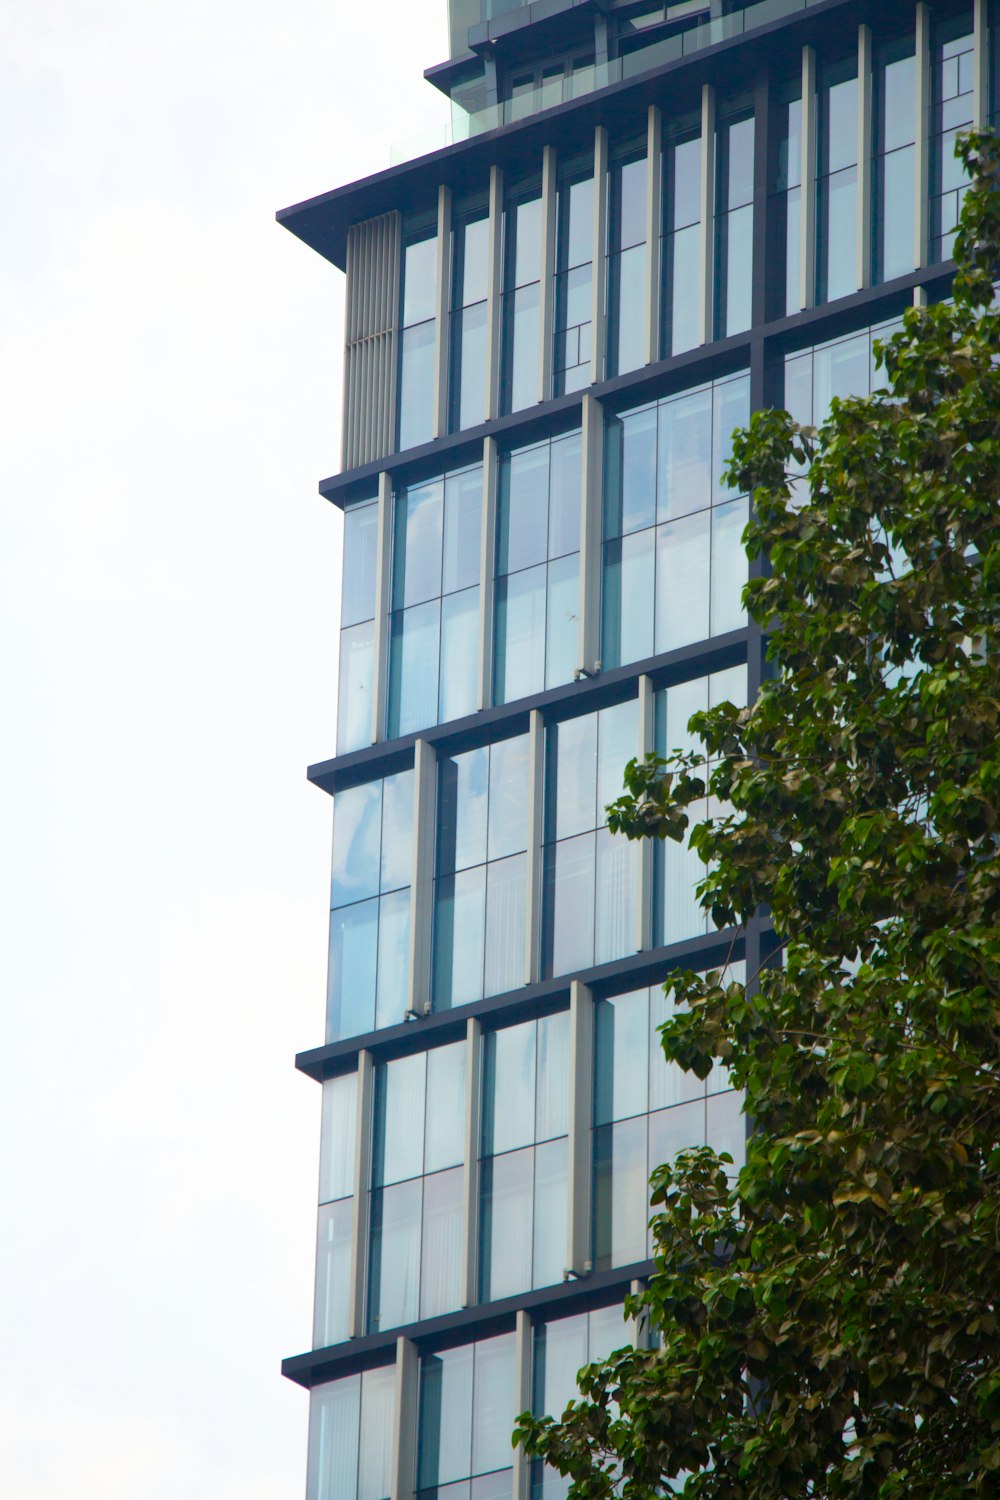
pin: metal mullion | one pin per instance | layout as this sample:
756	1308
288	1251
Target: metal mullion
581	1119
864	209
470	1198
404	1438
591	530
707	213
654	218
807	201
598	303
494	294
418	1001
442	306
487	572
535	853
523	1398
546	317
645	746
383	598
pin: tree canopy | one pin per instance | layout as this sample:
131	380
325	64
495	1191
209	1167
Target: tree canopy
827	1326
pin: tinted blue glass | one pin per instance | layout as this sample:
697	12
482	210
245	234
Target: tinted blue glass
731	410
627	607
505	931
398	1134
840	125
416	385
576	222
394	1278
336	1168
509	1088
615	897
334	1423
736	253
739	154
838	242
616	745
684	263
729	567
444	1132
725	1127
493	1407
684	186
630	204
475	259
352	970
669	1084
416	561
560	1349
675	1130
524	487
469	353
573	759
419	280
445	1416
441	1251
463	511
549	1228
397	830
562	620
522	314
564	494
333	1273
463	791
520	635
527	265
459	655
414	646
897	114
357	822
552	1077
682	581
897	207
569	903
631	472
354	687
621	1193
378	1422
459	929
685	454
360	549
629	299
508	809
621	1044
506	1224
393	958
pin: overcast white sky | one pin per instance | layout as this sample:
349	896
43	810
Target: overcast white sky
169	579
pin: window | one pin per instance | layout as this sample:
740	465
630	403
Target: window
952	95
538	568
894	127
351	1427
523	1157
646	1110
467	1412
336	1212
415	1262
370	906
357	633
788	192
574	282
841	367
676	868
522	299
837	182
434	630
560	1348
674	563
470	244
589	898
627	266
479	906
416	342
734	223
681	243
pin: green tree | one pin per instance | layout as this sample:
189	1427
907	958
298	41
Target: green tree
828	1327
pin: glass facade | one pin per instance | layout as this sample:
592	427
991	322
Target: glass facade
469	260
415	1264
646	1110
418	331
788	190
837	182
841	367
681	243
952	96
352	1423
560	1348
434	629
589	906
523	1157
481	887
574	290
370	906
894	124
627	264
536	637
335	1226
674	563
357	627
734	222
522	299
467	1411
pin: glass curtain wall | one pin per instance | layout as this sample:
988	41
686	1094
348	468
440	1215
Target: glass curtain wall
627	263
536	640
335	1221
480	892
893	144
522	298
559	1349
680	246
357	633
523	1157
841	367
416	341
351	1426
467	1412
646	1110
434	628
574	279
415	1268
734	222
837	181
676	868
952	98
370	906
590	874
788	193
674	564
469	259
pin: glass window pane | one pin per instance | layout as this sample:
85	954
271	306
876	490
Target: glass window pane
565	458
508	815
631	204
559	1351
378	1425
627	603
334	1239
679	871
674	1130
615	899
505	1225
398	1136
898	108
685	184
354	687
413	668
621	1041
397	830
736	249
463	510
562	641
459	930
621	1193
445	1416
569	904
416	561
416	385
463	782
739	152
506	882
494	1404
524	488
520	635
576	228
441	1257
337	1137
684	268
572	753
394	1283
674	707
475	261
357	822
550	1227
729	567
357	600
334	1432
393	958
631	472
731	410
839	223
552	1081
522	311
459	655
669	1083
682	576
725	1127
840	369
896	226
445	1130
469	366
842	125
528	241
508	1088
351	974
630	309
419	280
685	467
617	741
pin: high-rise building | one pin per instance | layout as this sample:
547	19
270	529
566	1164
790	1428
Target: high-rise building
651	220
